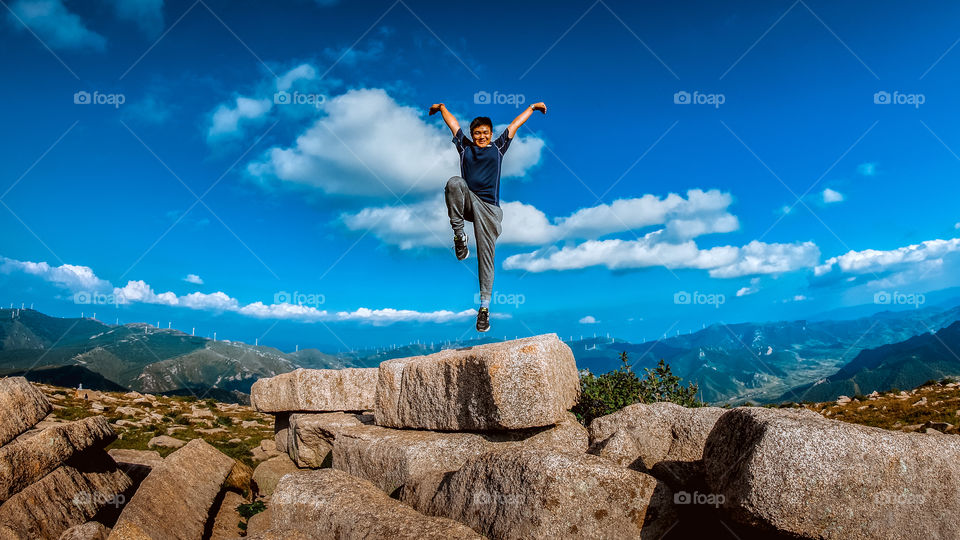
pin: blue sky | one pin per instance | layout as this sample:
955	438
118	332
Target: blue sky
269	171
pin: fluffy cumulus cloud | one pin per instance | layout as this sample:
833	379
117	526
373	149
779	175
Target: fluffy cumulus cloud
425	224
54	24
60	28
721	261
876	261
81	280
831	196
193	278
367	144
227	118
589	319
68	276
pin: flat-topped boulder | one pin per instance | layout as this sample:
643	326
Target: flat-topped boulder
328	503
70	495
25	462
797	473
175	500
317	390
23	405
518	492
393	458
517	384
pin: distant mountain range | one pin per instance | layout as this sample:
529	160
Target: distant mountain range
759	362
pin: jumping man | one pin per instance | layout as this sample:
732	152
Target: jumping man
475	194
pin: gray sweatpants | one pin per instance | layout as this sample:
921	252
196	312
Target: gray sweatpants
463	204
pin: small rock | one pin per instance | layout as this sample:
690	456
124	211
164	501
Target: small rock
164	441
268	474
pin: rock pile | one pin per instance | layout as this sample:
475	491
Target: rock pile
448	434
53	478
482	438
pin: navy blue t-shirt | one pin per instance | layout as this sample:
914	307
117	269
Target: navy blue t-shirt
480	167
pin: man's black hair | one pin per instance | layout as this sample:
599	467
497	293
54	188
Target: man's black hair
481	121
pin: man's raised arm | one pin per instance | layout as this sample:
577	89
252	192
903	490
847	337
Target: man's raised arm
447	117
519	120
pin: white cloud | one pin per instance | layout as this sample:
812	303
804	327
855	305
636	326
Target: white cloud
722	261
56	26
146	14
746	291
831	196
82	279
872	260
226	118
761	258
367	144
71	277
867	169
193	278
589	319
426	224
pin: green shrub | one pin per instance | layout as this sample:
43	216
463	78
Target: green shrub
612	391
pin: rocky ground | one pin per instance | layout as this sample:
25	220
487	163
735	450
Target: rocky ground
471	443
161	423
932	406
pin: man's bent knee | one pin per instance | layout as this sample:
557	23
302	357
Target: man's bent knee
455	182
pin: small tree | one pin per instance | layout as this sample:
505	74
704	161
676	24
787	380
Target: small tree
614	390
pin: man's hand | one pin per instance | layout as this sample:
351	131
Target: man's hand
541	106
435	108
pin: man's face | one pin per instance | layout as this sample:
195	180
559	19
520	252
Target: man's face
481	135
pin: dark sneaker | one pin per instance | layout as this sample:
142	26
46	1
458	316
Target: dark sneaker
460	246
483	320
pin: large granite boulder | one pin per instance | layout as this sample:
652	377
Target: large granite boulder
23	462
331	504
175	500
319	390
268	474
23	405
797	473
516	384
226	522
517	492
136	463
310	436
71	495
663	439
392	458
